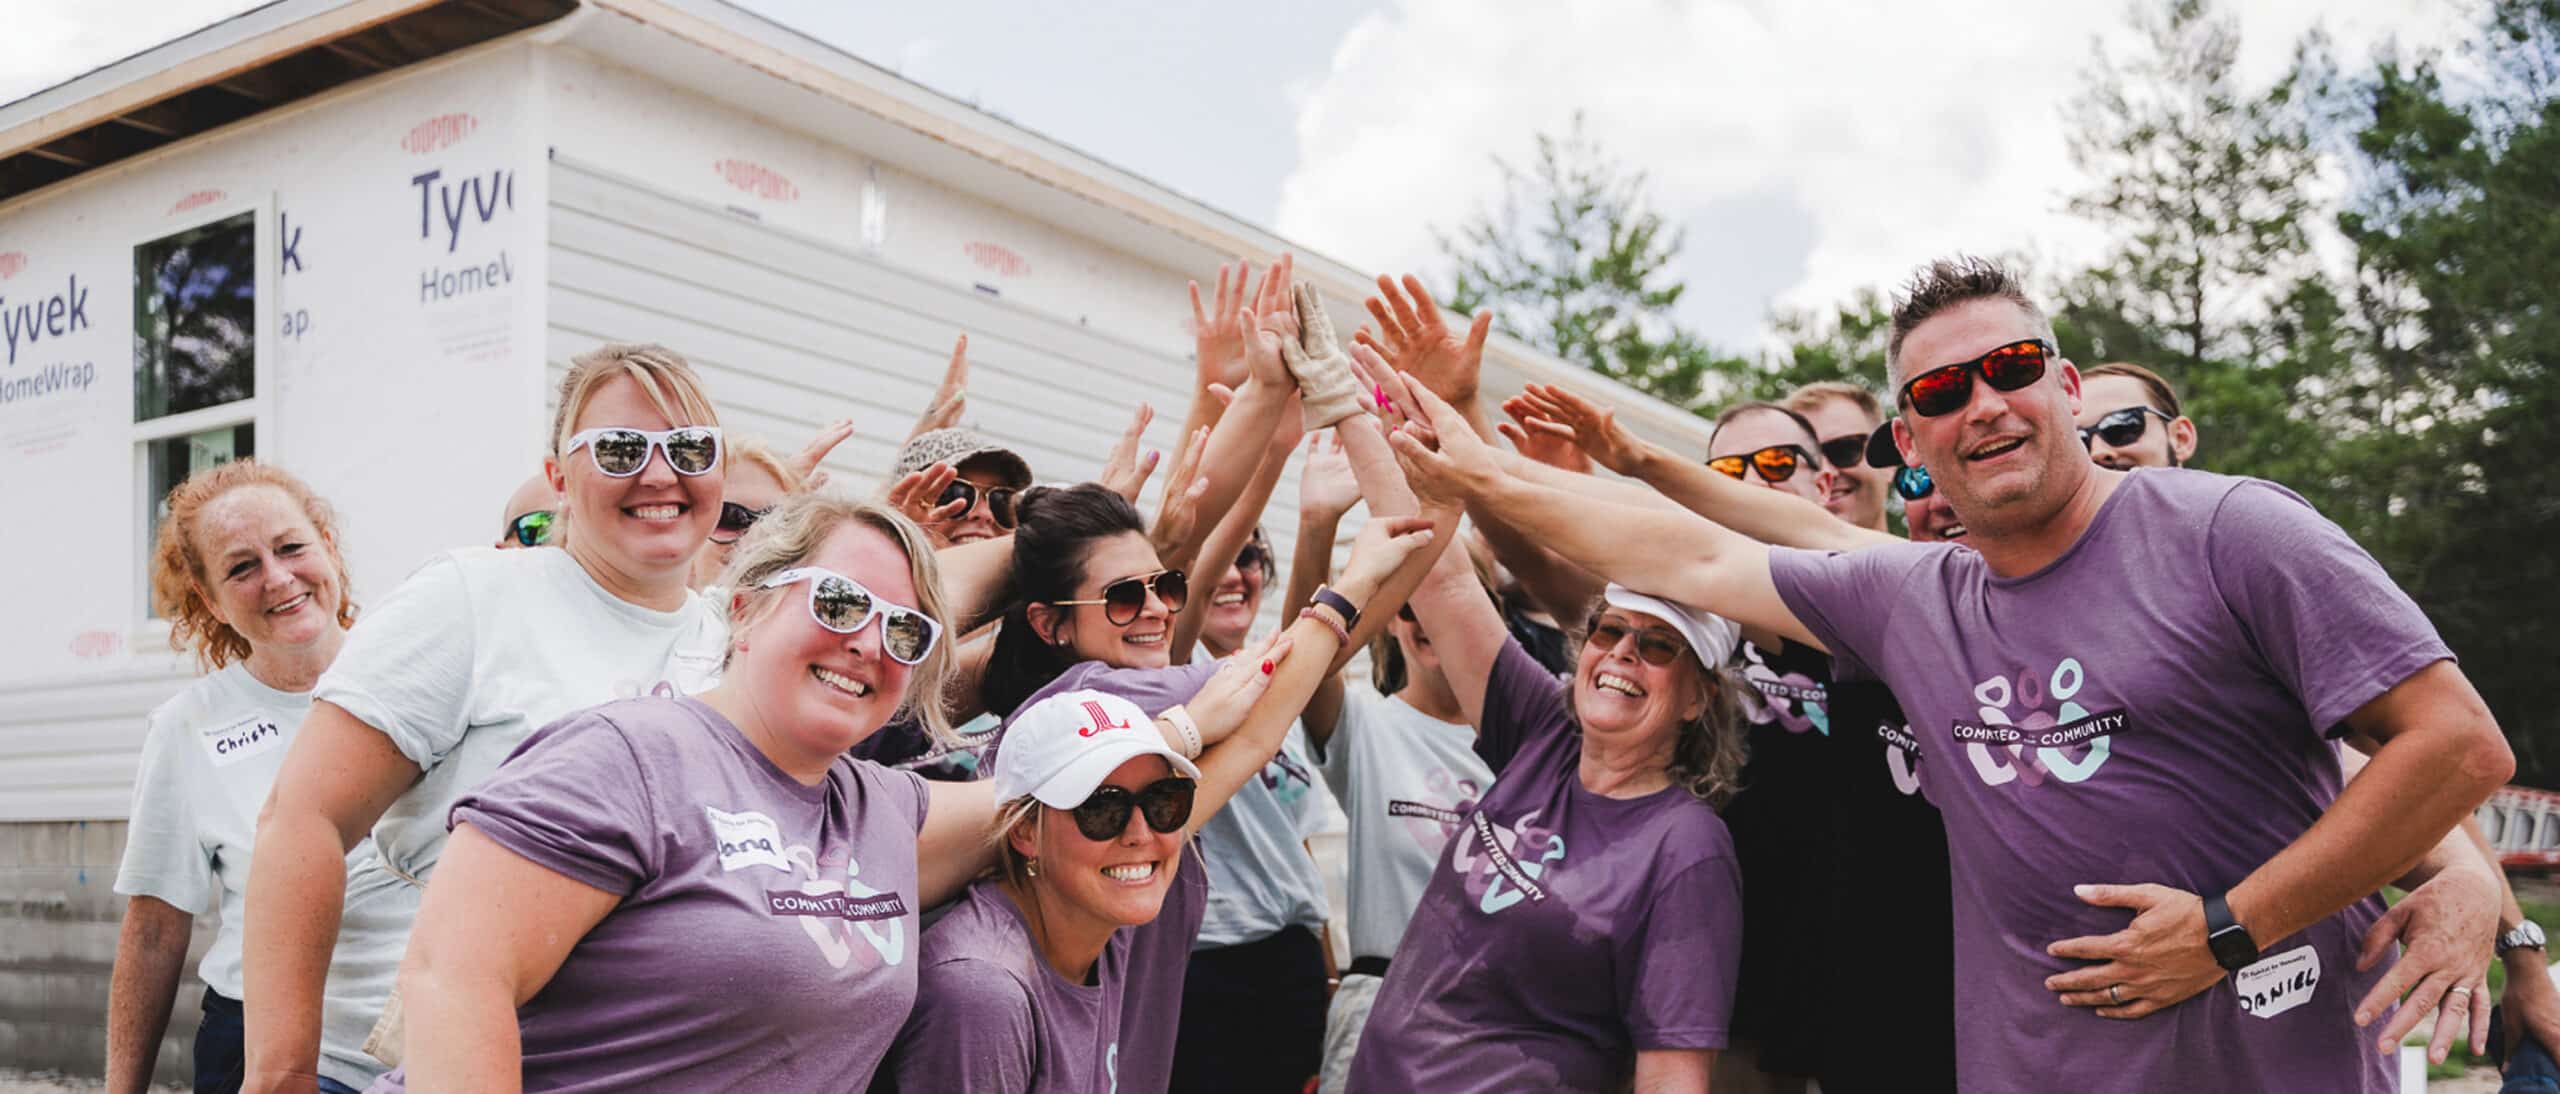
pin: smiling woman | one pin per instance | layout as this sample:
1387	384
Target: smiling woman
248	572
449	674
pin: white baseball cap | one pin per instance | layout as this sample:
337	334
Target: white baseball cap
1059	749
1712	637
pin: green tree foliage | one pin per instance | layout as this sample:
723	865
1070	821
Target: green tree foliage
1575	261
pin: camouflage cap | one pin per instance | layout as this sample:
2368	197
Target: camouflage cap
957	446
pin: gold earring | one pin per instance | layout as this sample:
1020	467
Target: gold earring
1031	867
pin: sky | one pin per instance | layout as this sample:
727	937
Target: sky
1806	149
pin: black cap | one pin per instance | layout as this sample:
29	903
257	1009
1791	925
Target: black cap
1881	451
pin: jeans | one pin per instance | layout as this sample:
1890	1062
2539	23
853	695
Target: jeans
220	1053
2530	1068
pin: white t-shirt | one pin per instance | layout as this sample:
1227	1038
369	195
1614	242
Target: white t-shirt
1261	878
476	650
210	755
1405	778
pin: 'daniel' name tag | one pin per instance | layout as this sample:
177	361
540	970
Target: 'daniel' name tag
2280	983
747	839
237	741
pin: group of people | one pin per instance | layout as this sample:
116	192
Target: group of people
1690	776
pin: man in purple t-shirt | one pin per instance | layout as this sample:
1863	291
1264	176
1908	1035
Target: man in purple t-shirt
2129	677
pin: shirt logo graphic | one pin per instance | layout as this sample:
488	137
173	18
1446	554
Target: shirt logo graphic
1513	860
746	839
833	912
1901	757
1792	700
2068	742
1432	821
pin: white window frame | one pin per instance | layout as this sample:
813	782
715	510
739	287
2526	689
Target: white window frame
256	411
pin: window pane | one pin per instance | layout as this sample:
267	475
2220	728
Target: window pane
172	459
195	308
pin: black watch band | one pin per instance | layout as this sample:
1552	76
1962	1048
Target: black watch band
2232	947
1340	604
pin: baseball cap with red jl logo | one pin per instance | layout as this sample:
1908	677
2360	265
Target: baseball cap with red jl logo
1062	747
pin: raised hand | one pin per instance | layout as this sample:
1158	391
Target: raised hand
1328	387
918	495
1218	338
1443	459
1415	339
1389	396
1179	514
1126	472
1541	440
1270	327
1229	694
1590	426
949	399
804	464
1326	488
1383	545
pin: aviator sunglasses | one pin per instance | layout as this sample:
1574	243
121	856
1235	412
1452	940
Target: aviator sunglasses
532	529
1914	483
843	605
735	519
1947	388
1166	803
621	452
999	500
1776	463
2121	427
1655	647
1123	600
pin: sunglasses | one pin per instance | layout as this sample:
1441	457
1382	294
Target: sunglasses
999	500
1914	483
531	529
735	519
621	453
1253	557
1657	648
1947	388
1776	463
2121	427
1123	600
1166	803
843	605
1845	452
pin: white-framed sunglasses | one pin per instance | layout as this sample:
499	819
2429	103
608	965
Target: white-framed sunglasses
621	452
843	605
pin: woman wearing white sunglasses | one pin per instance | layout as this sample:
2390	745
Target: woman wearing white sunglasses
469	655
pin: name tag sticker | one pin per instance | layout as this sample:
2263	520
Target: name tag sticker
2280	983
230	744
747	839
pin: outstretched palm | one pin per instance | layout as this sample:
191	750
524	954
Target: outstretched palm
1415	338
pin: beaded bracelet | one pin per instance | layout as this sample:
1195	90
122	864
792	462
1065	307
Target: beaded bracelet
1324	614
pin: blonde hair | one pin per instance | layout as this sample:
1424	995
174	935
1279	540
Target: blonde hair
662	374
177	567
1804	400
794	530
765	459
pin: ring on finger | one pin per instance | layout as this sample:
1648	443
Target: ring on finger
2463	990
2114	996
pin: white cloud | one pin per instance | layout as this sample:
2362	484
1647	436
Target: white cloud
49	43
1809	149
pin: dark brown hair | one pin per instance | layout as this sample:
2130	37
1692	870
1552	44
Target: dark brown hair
2163	398
1946	283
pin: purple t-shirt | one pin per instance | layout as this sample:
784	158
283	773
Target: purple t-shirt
2148	708
1564	930
767	932
993	1017
1152	1003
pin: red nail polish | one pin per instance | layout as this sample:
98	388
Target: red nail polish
1266	668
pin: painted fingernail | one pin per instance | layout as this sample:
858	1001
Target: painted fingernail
1266	668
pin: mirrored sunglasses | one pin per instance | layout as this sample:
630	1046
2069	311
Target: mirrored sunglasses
621	453
1776	463
1948	388
531	529
735	519
845	606
1914	483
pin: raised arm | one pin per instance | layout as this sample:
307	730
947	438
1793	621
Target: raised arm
1676	555
1326	491
1770	516
337	779
1234	530
1237	441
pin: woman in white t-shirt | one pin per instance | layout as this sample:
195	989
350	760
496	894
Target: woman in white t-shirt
1400	757
248	574
474	651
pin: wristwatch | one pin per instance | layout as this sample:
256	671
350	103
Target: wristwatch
2526	936
2232	947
